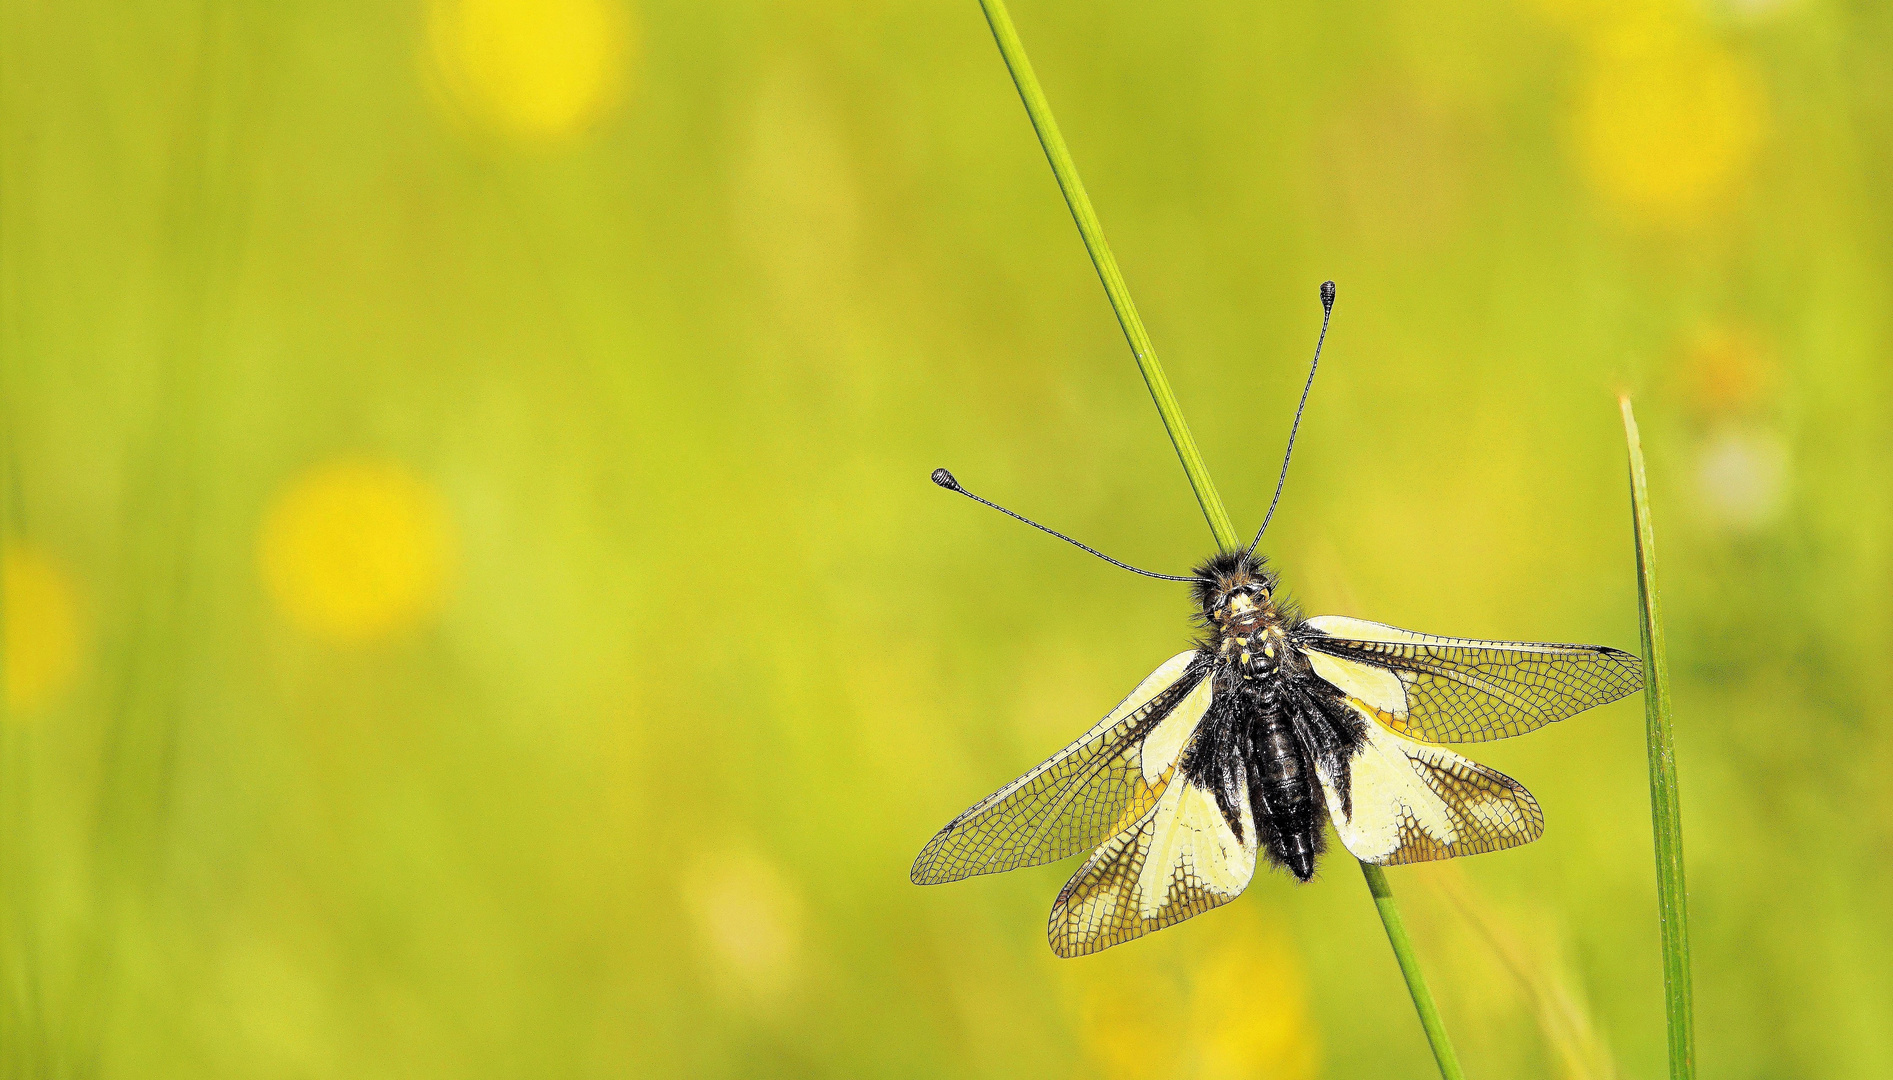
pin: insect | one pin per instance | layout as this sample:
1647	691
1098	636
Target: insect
1270	727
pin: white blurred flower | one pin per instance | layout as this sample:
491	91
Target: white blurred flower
1741	476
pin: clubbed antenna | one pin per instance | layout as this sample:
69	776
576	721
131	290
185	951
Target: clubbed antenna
945	480
1327	312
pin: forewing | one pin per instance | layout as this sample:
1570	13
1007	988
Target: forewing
1458	690
1075	799
1410	802
1179	859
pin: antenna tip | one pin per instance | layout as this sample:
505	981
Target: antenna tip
1327	296
945	480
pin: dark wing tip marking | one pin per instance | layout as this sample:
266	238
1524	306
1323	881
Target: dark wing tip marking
1630	666
1466	690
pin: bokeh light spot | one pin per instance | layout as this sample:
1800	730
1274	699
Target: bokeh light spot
1393	165
1668	122
41	646
1742	477
531	69
1238	1009
1131	1027
1249	1004
357	549
749	919
1730	371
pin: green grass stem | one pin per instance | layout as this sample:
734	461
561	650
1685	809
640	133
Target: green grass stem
1066	171
1410	968
1063	168
1666	815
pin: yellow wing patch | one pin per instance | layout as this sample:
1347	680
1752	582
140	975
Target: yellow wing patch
1450	690
1165	742
1180	859
1411	802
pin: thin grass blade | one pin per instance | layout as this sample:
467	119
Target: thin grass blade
1436	1036
1666	814
1066	171
1040	112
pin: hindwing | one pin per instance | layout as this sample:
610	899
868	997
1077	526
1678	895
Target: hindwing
1179	859
1401	801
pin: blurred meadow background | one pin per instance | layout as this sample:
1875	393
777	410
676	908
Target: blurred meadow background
474	605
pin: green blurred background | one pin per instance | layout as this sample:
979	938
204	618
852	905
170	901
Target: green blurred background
474	605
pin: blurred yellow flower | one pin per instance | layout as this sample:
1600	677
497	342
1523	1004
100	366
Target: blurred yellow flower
749	919
1241	1011
1668	122
532	69
1249	1009
1131	1021
356	549
40	649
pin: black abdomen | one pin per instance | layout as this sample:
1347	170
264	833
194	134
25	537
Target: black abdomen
1282	788
1253	737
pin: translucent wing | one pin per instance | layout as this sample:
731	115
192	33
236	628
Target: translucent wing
1179	859
1408	802
1456	690
1096	786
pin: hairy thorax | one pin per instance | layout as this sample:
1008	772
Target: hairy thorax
1249	635
1248	624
